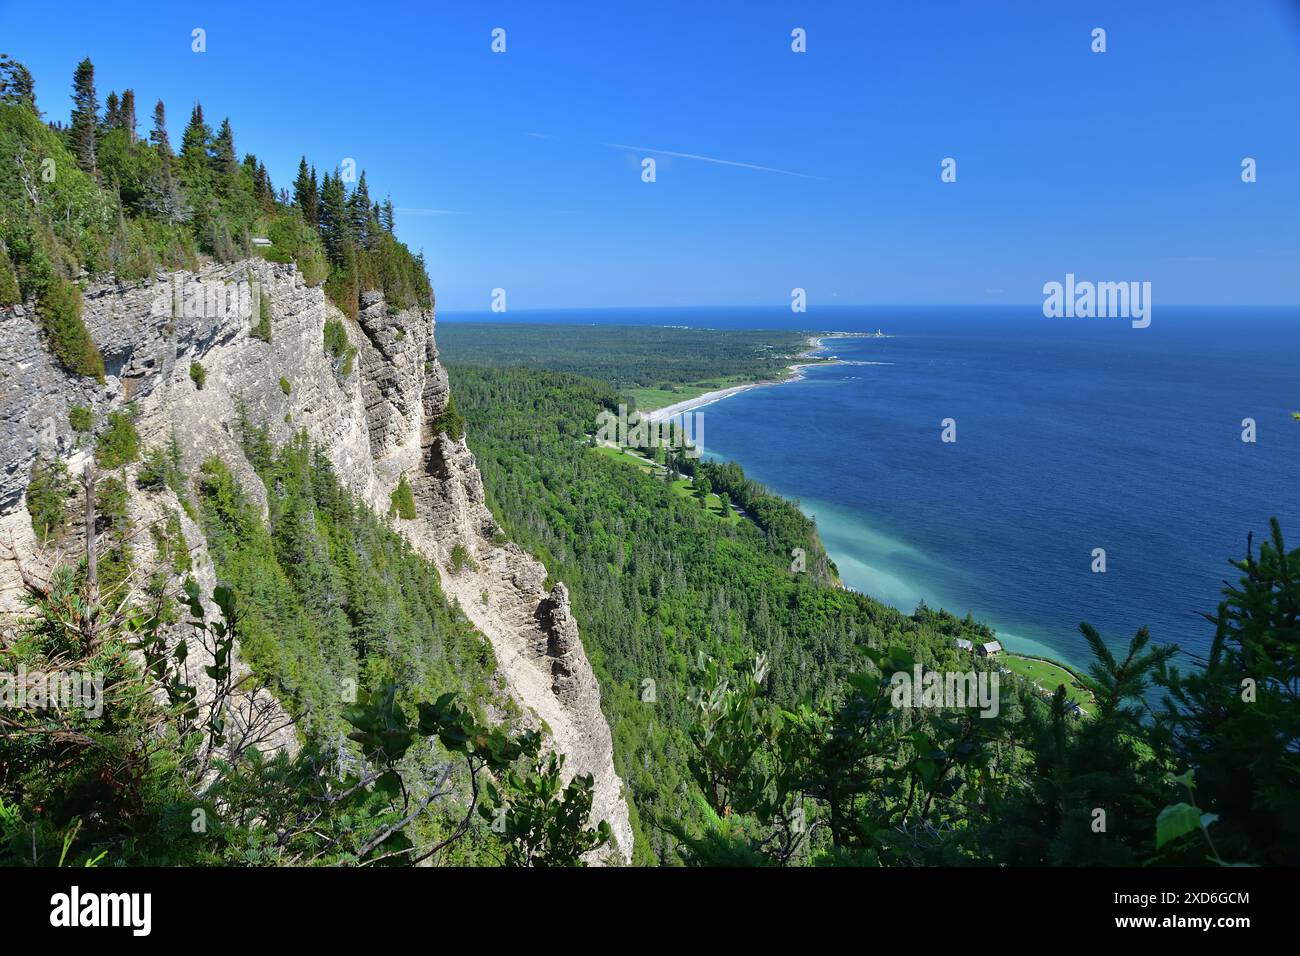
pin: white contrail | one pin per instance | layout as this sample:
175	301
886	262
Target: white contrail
711	159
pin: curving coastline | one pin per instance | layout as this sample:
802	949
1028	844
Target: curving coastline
816	344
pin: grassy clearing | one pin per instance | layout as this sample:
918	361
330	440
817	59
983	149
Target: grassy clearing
648	399
618	454
713	504
1049	676
681	487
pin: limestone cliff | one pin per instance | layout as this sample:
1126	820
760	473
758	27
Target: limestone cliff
373	414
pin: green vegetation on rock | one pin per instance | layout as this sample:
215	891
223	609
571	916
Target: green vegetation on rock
47	498
118	444
403	501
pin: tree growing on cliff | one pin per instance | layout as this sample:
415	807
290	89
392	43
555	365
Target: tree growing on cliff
47	498
402	501
59	309
450	422
85	116
9	291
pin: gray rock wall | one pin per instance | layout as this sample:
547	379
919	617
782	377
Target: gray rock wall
373	421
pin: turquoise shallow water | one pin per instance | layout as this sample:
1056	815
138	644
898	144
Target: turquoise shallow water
1071	435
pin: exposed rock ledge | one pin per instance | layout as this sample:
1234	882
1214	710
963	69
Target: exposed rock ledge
374	424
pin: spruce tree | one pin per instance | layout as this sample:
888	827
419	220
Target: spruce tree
386	215
194	143
126	114
305	196
112	114
223	151
359	211
1235	723
16	85
85	115
262	186
158	136
335	231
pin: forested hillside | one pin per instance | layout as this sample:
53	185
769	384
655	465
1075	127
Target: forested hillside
752	718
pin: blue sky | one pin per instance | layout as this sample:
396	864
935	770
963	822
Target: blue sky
1115	166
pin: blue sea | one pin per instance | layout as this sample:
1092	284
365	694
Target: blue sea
1071	435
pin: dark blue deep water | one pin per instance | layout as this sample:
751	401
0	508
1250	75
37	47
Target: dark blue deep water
1072	434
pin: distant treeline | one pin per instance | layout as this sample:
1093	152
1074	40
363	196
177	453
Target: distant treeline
626	356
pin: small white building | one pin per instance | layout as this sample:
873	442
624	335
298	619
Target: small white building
963	644
261	241
989	649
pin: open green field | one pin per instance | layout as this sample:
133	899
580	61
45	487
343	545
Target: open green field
648	399
618	454
680	486
683	487
1049	676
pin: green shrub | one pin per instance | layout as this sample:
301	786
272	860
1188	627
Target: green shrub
9	291
169	541
403	501
80	419
262	330
285	385
118	443
460	559
111	502
336	338
292	240
337	346
59	309
47	498
161	468
198	374
450	422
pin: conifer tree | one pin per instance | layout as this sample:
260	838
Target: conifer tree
223	151
262	187
16	85
158	136
194	143
335	228
112	114
305	195
386	215
127	114
85	115
359	211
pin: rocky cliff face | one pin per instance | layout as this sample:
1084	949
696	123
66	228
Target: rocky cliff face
374	417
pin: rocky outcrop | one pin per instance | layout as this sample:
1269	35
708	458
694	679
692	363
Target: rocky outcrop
372	412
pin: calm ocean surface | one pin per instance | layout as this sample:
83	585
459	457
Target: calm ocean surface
1072	434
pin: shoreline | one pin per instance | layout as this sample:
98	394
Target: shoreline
816	343
1029	648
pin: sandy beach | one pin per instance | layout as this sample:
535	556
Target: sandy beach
815	344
